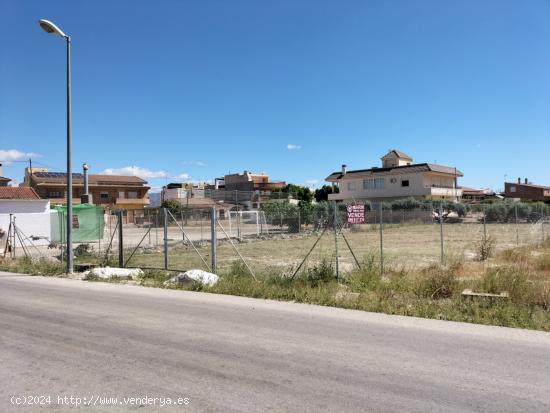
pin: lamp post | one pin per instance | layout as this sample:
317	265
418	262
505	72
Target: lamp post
49	27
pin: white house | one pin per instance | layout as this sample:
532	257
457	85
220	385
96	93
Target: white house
398	178
32	215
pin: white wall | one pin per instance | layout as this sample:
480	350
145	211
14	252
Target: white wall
12	206
420	184
32	218
390	190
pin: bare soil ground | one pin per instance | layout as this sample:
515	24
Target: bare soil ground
410	246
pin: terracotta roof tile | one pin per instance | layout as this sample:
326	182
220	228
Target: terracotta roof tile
17	192
40	177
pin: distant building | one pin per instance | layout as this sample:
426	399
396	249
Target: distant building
526	191
398	178
3	180
250	189
478	195
196	196
178	191
128	193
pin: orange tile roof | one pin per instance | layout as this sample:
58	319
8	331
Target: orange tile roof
17	192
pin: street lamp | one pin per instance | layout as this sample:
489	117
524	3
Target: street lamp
49	27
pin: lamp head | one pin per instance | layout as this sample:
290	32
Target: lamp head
49	27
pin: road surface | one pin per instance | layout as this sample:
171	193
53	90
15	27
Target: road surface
97	341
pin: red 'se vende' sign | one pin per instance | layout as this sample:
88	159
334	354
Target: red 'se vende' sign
356	214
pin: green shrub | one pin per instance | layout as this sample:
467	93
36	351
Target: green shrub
28	265
320	273
367	277
438	281
512	279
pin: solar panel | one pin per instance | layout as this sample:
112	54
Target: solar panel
56	175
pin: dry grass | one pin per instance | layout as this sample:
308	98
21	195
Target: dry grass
413	283
411	245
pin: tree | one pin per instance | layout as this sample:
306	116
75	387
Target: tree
322	193
282	213
302	193
172	205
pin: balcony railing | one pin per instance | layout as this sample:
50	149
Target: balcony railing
132	201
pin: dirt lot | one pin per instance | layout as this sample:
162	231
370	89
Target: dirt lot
409	246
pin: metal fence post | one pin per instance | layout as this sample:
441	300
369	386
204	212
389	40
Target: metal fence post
335	226
484	225
120	240
165	212
542	221
156	228
262	218
201	218
213	239
517	224
441	234
239	229
381	225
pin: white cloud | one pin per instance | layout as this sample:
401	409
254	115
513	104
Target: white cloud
183	176
312	181
195	163
292	146
10	155
136	171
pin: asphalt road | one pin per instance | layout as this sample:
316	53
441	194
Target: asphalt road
64	337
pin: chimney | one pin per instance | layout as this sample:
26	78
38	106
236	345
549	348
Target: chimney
1	170
526	181
85	198
344	169
519	180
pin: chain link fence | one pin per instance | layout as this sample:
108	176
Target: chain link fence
284	240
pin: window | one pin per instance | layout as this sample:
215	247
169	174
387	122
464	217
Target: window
54	194
376	183
513	188
121	194
351	186
104	195
404	182
132	195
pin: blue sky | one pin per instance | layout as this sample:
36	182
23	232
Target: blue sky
200	88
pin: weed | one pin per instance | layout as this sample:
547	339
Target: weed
365	278
542	263
154	278
320	273
437	281
28	265
485	248
512	279
516	255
